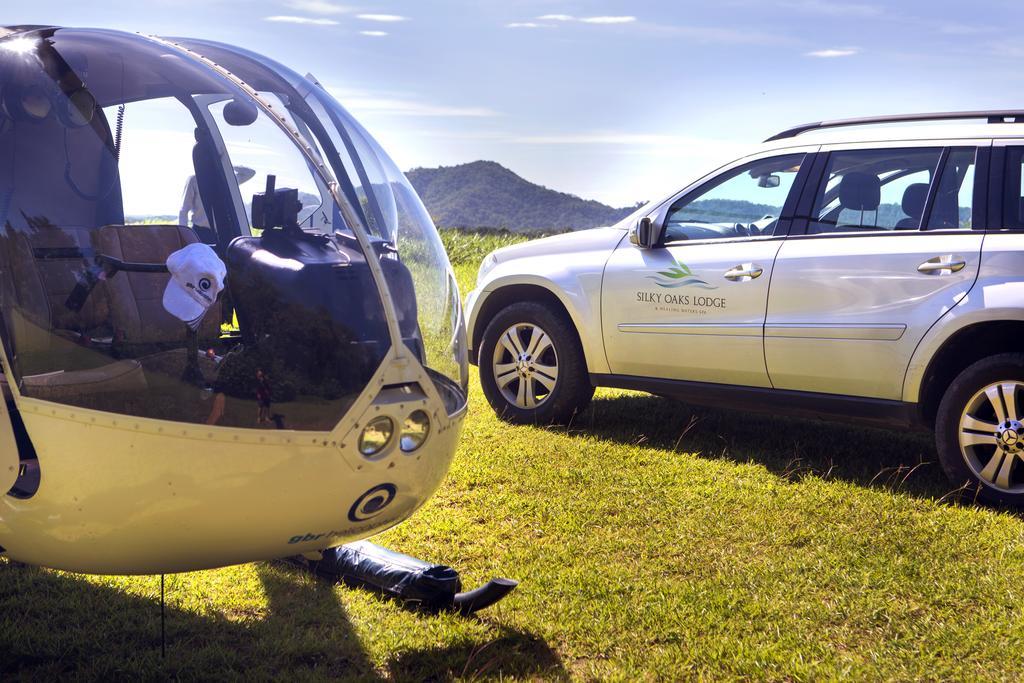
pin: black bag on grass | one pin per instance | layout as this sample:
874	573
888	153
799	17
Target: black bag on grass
429	586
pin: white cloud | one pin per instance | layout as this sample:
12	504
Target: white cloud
1007	49
608	20
363	102
386	18
850	9
286	19
832	53
714	35
612	138
318	6
663	161
565	18
374	34
398	107
965	29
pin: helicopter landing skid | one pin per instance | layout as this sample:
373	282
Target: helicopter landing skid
431	587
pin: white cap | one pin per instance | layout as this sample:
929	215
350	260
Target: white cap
197	276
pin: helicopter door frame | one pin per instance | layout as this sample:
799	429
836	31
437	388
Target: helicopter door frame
10	455
205	118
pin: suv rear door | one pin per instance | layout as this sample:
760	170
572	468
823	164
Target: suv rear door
693	307
882	246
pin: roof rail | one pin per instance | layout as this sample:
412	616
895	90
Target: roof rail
995	116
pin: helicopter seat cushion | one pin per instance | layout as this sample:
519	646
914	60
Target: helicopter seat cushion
59	254
25	308
35	345
136	299
40	269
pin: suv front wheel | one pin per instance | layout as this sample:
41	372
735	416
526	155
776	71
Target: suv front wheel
532	368
980	428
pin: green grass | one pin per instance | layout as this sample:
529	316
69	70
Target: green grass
466	249
654	540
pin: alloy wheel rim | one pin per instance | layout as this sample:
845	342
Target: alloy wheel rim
991	435
525	365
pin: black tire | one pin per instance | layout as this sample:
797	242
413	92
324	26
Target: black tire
571	391
1003	367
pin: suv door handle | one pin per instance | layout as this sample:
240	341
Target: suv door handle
939	264
744	272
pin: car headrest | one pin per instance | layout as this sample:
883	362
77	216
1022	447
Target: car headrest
914	198
860	191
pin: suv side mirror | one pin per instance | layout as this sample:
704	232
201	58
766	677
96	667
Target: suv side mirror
643	233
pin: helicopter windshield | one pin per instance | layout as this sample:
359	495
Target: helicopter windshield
178	246
416	267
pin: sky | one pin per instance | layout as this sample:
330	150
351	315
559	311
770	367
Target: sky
606	99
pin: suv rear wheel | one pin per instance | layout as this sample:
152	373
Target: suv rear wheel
980	428
532	368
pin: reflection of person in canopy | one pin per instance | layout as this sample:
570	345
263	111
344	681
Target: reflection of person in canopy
192	204
262	397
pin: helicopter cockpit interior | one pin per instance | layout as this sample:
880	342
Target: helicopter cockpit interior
117	152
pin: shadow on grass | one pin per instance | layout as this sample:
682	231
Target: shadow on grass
60	626
792	448
511	654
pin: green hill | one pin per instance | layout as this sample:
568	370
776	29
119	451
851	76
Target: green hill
484	194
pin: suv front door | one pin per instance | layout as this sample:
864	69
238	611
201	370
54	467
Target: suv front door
693	307
881	248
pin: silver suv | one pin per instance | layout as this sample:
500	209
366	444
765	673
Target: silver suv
868	269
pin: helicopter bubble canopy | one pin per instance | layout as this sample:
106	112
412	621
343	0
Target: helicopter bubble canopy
327	311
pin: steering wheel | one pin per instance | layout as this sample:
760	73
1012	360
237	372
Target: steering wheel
768	225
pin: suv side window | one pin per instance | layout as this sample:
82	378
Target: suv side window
874	190
744	202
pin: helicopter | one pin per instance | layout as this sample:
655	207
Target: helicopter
277	369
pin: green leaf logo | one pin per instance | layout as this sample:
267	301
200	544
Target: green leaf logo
679	275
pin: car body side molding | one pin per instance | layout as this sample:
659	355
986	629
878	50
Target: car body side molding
831	407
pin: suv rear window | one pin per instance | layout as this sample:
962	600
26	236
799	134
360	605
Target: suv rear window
872	190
